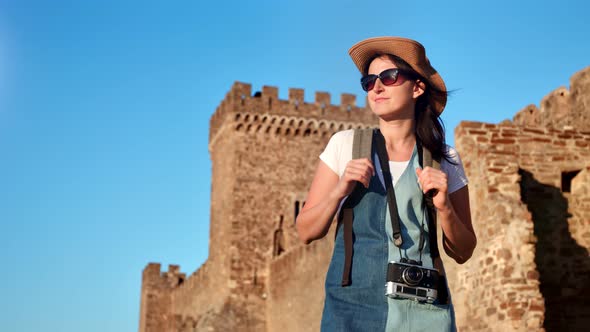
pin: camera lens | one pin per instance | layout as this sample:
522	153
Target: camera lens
412	275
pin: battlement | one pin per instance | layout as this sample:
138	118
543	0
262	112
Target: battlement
242	91
205	282
154	277
562	108
240	103
199	278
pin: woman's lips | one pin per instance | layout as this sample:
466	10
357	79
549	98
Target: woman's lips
378	100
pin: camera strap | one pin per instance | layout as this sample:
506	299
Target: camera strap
392	203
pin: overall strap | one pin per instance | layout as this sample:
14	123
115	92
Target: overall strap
361	148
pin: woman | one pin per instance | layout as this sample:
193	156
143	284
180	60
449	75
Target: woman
408	95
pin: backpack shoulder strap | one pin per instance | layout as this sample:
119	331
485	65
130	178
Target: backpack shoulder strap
362	143
428	161
361	148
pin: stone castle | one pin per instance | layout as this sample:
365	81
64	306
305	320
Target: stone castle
530	201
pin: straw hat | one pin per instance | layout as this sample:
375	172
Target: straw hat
410	51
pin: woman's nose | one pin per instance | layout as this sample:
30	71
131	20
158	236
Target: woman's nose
378	86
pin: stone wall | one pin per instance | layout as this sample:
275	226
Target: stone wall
529	197
296	287
496	289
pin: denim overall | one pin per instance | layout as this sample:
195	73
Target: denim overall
363	306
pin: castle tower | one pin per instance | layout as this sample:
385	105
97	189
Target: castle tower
264	152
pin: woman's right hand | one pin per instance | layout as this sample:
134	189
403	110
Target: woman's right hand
357	170
324	197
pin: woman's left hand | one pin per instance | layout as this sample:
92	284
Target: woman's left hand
437	181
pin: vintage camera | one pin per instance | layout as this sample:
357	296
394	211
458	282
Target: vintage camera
407	279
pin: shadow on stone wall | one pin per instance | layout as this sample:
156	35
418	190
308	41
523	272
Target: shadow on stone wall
563	265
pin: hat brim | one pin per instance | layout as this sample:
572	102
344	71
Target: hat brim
410	51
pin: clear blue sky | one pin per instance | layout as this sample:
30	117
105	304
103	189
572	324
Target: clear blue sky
105	106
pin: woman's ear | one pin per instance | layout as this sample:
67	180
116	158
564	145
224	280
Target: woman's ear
419	88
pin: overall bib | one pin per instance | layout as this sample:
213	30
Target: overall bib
363	305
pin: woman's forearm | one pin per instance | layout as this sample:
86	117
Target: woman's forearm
314	223
458	240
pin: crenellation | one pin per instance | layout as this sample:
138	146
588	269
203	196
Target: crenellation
555	108
296	96
270	92
240	90
347	101
322	99
529	116
579	87
174	269
156	278
152	270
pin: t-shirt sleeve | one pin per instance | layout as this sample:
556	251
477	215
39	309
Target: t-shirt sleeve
338	152
455	172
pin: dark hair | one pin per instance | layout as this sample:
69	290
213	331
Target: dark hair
429	130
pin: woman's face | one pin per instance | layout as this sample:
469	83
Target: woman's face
395	101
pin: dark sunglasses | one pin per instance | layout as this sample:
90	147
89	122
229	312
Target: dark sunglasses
388	77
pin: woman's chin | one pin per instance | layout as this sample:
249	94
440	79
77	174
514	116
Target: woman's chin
389	115
381	111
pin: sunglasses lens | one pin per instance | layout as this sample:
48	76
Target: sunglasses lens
368	82
389	77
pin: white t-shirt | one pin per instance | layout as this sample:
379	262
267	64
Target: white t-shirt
338	153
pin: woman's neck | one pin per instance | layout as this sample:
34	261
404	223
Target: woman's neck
400	138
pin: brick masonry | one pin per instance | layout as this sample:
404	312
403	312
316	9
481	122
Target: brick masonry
530	198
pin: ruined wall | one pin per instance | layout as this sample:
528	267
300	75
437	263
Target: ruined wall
530	270
497	288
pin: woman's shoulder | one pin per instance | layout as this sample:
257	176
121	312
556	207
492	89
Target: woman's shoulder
343	135
339	150
452	154
342	138
453	167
